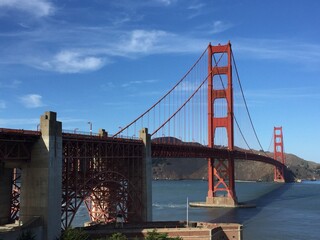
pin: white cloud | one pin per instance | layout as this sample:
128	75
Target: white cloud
131	83
144	41
38	8
32	101
18	122
285	93
196	6
220	26
279	49
165	2
12	84
72	62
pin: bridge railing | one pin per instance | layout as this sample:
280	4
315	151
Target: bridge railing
92	134
19	131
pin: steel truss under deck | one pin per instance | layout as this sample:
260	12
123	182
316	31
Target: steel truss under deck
15	149
106	175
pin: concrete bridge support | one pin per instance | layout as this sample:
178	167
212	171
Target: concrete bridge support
147	176
5	194
41	185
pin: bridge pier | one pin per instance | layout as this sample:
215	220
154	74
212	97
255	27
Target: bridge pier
221	181
146	176
41	185
5	194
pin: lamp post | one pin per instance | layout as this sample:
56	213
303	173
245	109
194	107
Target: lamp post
75	130
90	124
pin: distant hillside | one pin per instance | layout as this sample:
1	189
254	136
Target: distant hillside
244	170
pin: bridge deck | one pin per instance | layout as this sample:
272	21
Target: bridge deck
15	145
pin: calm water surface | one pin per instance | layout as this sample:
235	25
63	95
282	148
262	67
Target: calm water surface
284	211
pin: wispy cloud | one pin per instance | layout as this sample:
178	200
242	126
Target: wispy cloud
142	41
196	6
32	101
3	104
12	84
14	122
148	42
165	2
117	104
38	8
147	93
279	49
72	62
133	83
78	49
284	93
195	9
220	26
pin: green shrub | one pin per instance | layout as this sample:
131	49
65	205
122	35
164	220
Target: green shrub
154	235
26	235
117	236
74	234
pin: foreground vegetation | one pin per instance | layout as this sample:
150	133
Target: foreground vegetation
75	234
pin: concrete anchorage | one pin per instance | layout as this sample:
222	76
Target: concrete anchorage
146	175
5	194
41	185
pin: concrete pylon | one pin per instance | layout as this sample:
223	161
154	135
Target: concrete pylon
147	175
5	194
41	185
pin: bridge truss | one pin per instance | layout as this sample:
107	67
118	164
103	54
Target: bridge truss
106	175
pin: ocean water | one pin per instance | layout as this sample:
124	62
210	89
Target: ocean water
283	211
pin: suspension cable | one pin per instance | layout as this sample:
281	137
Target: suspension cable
121	130
175	113
245	102
234	117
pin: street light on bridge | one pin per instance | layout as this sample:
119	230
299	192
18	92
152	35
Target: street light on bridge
75	130
90	124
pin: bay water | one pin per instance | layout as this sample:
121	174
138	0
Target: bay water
283	211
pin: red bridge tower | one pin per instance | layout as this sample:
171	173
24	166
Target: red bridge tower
278	154
220	170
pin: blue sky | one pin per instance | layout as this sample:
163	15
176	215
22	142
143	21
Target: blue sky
108	61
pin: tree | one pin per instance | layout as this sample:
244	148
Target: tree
26	235
117	236
154	235
74	234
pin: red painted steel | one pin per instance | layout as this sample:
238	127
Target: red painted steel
189	150
15	150
105	174
15	197
279	154
220	170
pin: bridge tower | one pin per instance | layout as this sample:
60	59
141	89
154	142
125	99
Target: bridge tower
221	182
278	154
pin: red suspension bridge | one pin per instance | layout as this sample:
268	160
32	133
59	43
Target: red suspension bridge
111	174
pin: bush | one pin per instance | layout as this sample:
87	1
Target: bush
117	236
26	235
154	235
74	234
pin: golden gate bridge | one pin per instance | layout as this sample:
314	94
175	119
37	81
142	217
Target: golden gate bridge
204	115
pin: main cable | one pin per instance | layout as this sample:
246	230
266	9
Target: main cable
245	102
